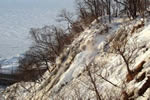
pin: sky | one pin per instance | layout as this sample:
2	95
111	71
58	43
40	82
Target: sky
51	4
18	16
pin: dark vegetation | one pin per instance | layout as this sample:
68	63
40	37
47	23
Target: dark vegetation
8	79
133	7
48	44
49	41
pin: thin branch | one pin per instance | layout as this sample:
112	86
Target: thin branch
107	80
93	82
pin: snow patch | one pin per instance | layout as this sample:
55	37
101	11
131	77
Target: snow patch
81	60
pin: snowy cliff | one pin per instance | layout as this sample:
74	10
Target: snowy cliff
90	64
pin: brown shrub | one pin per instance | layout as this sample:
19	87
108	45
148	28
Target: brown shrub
131	76
139	67
136	27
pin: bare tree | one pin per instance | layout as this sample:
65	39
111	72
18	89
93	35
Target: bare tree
89	8
67	17
133	6
122	47
93	82
94	73
51	39
73	25
93	8
0	65
48	43
109	9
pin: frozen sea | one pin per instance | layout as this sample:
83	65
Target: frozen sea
16	19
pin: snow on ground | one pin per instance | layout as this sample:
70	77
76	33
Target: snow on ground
10	65
74	80
114	69
144	35
92	39
81	60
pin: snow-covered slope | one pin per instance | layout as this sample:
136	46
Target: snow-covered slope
92	51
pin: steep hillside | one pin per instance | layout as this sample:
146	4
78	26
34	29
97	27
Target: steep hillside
93	68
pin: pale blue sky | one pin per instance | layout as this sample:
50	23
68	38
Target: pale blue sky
18	16
52	4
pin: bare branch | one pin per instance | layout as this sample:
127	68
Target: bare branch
93	82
